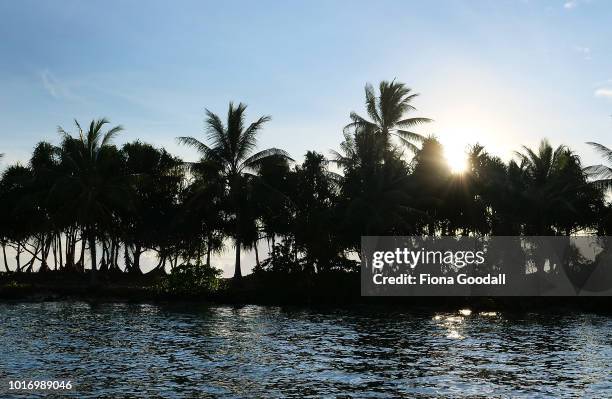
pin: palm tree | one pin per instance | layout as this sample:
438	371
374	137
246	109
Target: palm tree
494	196
231	146
559	200
387	112
603	173
542	164
92	178
44	166
541	193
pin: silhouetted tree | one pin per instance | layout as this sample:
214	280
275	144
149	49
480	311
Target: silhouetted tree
85	194
558	198
231	146
430	181
374	195
317	214
95	187
156	185
387	112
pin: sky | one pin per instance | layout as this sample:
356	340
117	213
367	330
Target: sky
500	73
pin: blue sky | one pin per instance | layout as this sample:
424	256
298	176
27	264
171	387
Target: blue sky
502	73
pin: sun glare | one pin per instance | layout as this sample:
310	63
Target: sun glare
456	159
456	145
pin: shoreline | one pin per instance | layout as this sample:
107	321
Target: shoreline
255	290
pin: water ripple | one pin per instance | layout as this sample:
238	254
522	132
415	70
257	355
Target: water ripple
119	350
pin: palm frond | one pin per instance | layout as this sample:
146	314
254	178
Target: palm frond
207	167
99	124
335	177
339	159
192	142
335	155
602	150
371	103
529	158
255	160
411	97
91	133
358	122
235	126
65	135
598	172
524	159
248	139
410	136
408	143
80	130
110	135
558	153
409	122
215	130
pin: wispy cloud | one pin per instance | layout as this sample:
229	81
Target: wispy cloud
56	88
571	4
605	92
585	51
568	5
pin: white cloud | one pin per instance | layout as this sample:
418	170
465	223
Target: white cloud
604	92
568	5
571	4
56	88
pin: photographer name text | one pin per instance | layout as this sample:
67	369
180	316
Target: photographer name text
455	260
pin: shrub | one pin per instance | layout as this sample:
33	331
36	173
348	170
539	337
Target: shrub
189	279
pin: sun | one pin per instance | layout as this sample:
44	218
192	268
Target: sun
456	159
455	145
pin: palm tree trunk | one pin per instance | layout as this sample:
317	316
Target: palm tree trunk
44	253
237	271
59	249
161	265
116	258
104	257
92	251
136	259
127	263
6	266
54	251
82	260
18	256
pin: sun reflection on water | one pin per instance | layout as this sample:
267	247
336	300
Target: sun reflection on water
488	314
465	312
451	324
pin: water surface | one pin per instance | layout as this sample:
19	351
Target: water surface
184	351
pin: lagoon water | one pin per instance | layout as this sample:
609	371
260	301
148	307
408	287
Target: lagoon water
185	351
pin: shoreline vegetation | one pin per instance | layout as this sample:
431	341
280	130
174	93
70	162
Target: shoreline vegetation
268	291
79	216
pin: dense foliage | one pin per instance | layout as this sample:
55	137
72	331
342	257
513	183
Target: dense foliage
87	203
190	279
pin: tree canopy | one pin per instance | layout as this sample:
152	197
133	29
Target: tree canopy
87	203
